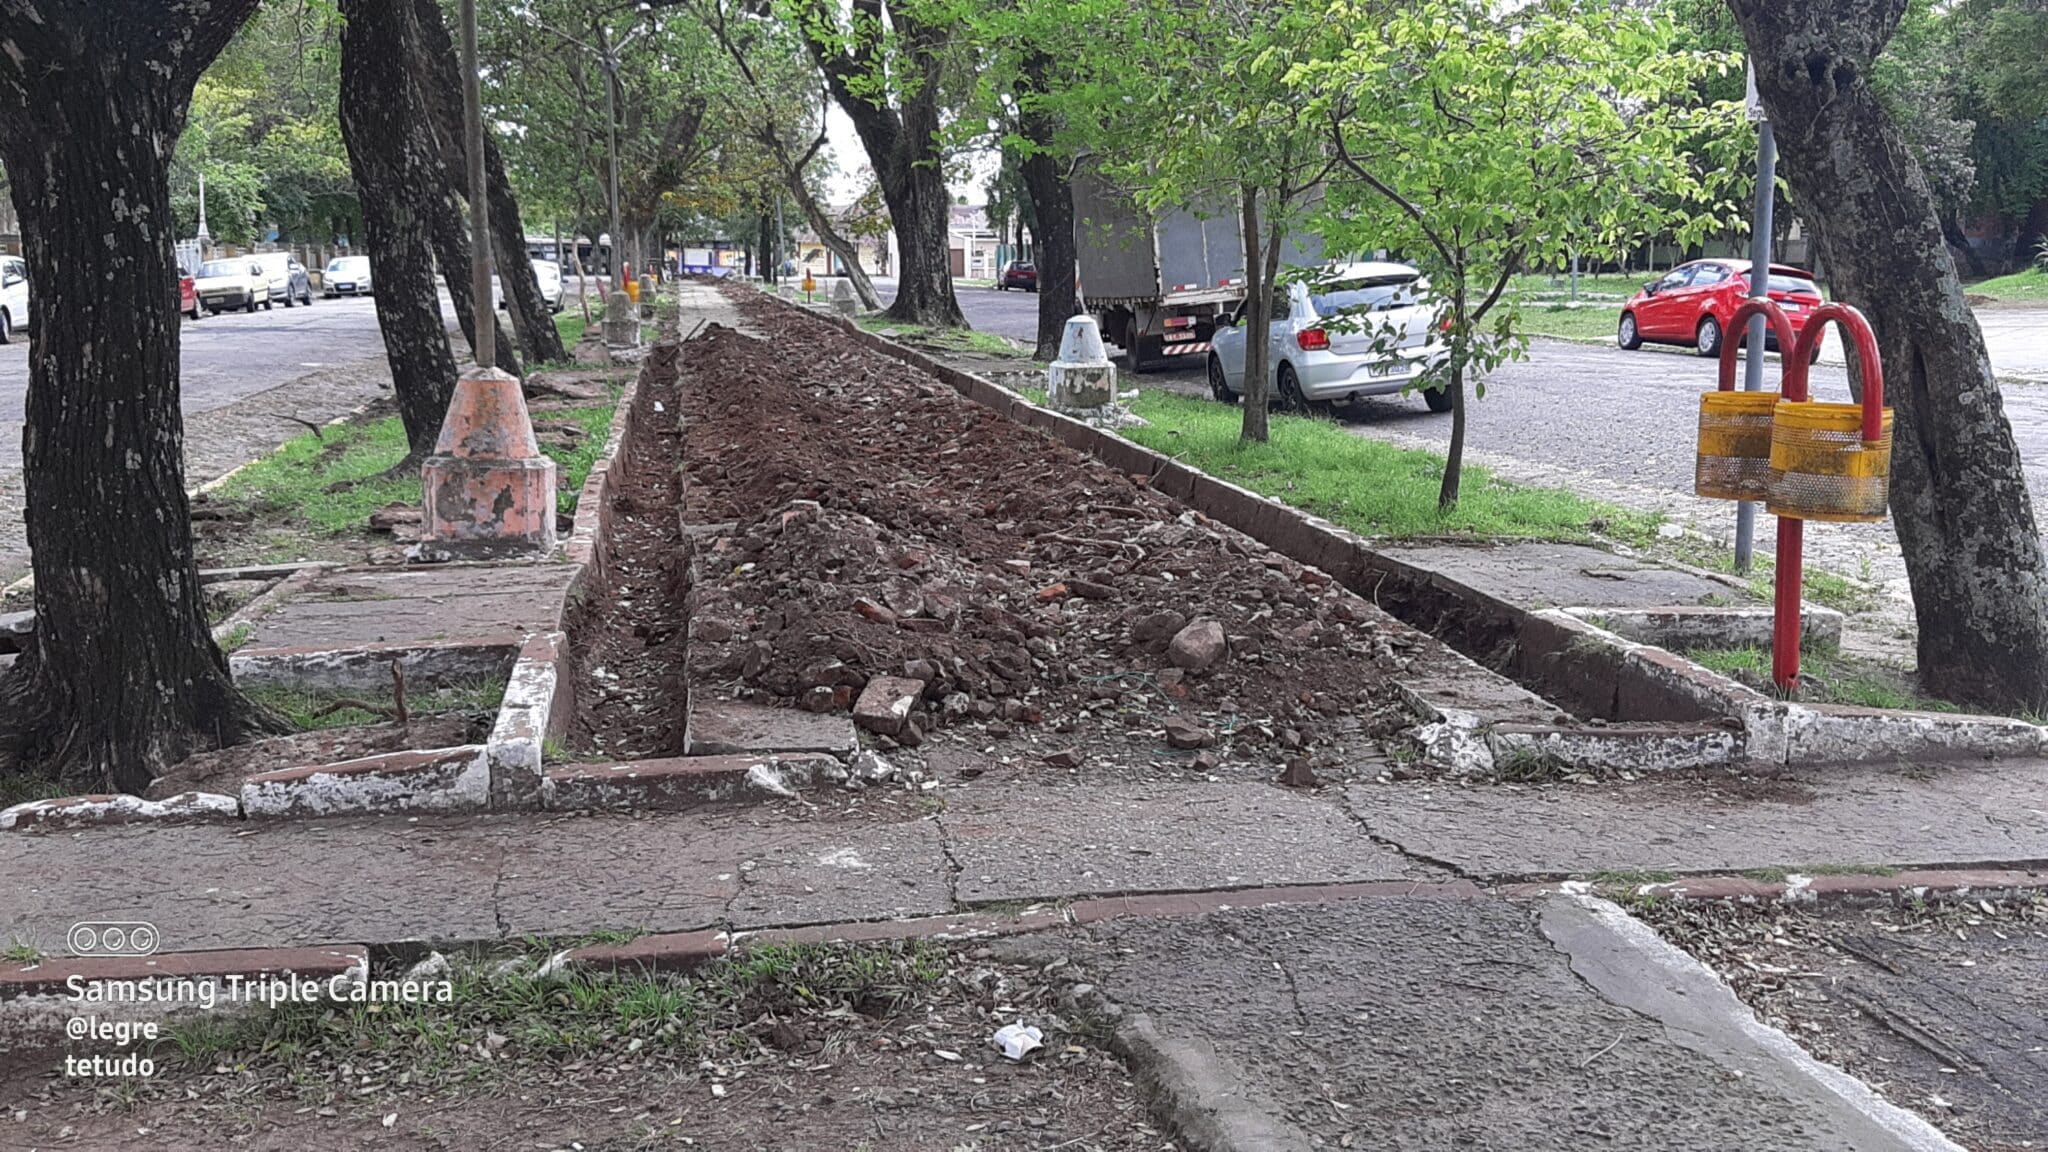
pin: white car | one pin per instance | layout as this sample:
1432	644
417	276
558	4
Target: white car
288	279
547	275
1357	330
346	276
233	282
13	297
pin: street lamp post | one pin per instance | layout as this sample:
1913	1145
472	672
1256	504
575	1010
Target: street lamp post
1759	286
608	58
479	196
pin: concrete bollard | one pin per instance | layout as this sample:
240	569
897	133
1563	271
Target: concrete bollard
646	297
787	290
1082	377
621	326
488	490
843	300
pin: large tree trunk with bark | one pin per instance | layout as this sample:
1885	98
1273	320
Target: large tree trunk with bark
123	678
440	79
383	126
902	144
1959	498
1052	211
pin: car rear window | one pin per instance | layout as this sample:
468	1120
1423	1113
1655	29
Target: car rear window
224	268
1362	296
1782	283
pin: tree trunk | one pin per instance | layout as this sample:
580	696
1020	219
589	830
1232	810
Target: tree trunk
1052	221
830	237
441	81
921	212
1258	319
383	127
1454	459
902	144
1959	499
123	679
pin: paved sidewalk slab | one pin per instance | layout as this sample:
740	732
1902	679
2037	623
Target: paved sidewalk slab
1977	814
1415	1025
349	608
1540	574
1029	842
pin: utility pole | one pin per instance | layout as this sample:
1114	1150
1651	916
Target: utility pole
479	197
1759	287
205	238
608	60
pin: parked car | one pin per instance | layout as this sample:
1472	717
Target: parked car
346	276
1693	303
13	297
288	278
234	282
188	297
1019	274
1358	330
547	277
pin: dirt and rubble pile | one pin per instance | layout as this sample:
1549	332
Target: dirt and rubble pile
852	518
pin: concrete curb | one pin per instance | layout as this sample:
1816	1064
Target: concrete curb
1938	884
1588	666
1630	965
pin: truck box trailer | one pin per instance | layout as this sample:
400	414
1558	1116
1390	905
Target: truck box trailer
1158	283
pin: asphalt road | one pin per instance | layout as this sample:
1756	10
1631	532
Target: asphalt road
227	357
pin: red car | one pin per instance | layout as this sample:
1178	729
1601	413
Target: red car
1019	274
188	298
1693	303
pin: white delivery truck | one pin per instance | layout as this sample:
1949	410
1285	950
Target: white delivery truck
1159	282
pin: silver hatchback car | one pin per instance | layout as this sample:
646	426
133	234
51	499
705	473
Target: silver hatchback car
1357	330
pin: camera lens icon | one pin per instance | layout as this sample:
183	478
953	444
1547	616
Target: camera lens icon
113	938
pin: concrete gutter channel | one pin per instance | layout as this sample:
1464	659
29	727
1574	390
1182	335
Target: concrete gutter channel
1621	704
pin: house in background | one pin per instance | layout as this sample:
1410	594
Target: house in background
973	248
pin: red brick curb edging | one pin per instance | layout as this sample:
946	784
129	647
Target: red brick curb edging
52	977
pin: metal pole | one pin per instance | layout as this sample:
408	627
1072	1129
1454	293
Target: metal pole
479	198
1759	286
611	129
779	233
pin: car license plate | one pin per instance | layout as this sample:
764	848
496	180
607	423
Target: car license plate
1384	369
1791	307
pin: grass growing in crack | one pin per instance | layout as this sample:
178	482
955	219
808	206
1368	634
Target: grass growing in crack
1825	678
304	709
493	1019
236	637
21	952
1780	875
1366	485
1633	879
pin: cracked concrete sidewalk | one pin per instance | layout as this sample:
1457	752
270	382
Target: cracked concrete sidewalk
886	855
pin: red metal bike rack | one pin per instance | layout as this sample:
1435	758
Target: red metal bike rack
1791	529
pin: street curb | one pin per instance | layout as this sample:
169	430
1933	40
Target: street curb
1194	1091
1628	964
1938	884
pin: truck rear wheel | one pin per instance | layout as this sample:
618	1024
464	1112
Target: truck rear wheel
1145	352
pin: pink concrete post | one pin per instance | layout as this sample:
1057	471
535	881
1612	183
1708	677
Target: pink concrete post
489	491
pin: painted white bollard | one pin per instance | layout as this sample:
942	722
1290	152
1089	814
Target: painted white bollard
843	301
1082	377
